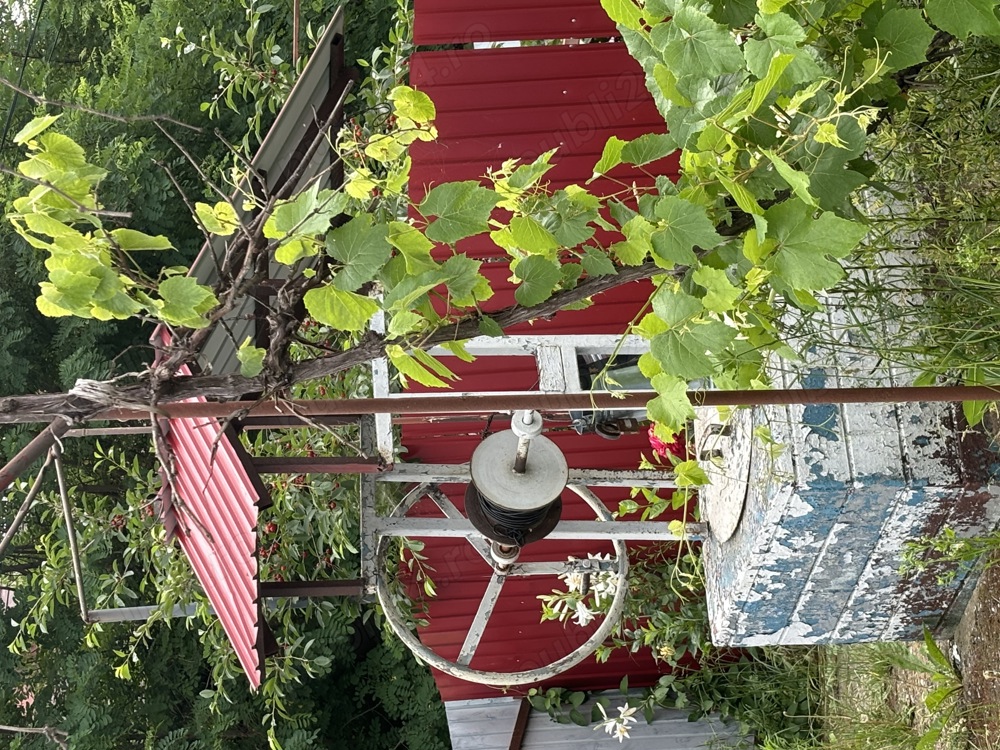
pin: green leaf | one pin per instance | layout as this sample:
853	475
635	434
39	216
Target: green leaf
531	236
763	87
797	181
130	240
489	327
462	210
674	307
416	248
935	654
409	367
784	35
596	263
743	197
689	352
692	41
385	147
33	128
539	277
690	474
667	82
964	17
185	301
412	104
647	148
611	157
362	250
720	294
671	407
905	35
219	219
974	411
466	285
340	309
251	359
404	322
308	214
683	226
624	12
291	251
458	349
802	258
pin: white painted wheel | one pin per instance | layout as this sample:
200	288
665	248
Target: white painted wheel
460	667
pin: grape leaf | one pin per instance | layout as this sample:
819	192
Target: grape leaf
219	219
905	35
802	258
308	214
694	42
462	210
539	277
647	148
623	12
674	307
531	236
689	351
130	239
251	359
597	263
610	158
964	17
671	407
185	301
416	248
683	226
339	309
361	248
412	104
720	294
34	128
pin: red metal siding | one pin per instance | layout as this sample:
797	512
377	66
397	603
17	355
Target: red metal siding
517	103
213	514
454	22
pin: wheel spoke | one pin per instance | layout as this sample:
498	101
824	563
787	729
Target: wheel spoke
478	627
450	510
564	567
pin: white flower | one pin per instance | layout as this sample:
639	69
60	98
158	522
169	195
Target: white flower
574	581
179	30
617	726
189	48
583	615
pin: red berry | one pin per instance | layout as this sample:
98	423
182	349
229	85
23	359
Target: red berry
332	505
271	527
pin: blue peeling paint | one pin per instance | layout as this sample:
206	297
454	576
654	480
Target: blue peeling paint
821	420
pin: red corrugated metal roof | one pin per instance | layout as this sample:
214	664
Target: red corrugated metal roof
210	506
451	22
517	103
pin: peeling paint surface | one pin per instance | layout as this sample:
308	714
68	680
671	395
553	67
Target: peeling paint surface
816	557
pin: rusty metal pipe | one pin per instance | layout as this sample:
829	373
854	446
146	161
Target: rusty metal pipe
553	402
32	452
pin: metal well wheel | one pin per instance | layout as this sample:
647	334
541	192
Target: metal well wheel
460	667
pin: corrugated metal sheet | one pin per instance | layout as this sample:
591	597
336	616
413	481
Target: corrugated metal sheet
210	507
517	103
452	21
499	104
214	510
308	104
488	725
